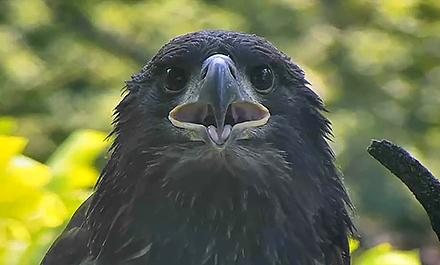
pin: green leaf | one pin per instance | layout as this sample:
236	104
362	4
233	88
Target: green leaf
384	254
8	125
73	162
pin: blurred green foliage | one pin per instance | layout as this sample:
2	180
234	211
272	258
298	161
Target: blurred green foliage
62	66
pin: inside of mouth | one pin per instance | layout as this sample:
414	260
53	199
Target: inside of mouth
203	114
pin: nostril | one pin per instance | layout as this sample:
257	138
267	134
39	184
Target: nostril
232	70
203	72
218	62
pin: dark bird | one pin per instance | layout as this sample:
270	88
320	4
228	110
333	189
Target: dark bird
220	157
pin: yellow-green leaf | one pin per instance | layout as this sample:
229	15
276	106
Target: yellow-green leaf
10	147
73	161
384	254
354	244
51	211
28	171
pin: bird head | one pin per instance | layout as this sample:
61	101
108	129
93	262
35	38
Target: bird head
220	90
221	129
216	99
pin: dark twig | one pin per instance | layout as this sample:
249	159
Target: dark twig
71	17
416	177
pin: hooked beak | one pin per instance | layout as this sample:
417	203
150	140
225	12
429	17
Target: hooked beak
221	111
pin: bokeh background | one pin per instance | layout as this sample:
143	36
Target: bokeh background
376	63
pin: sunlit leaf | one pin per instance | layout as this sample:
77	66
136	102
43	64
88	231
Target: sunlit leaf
12	190
30	13
51	211
73	162
11	229
14	239
384	254
10	146
354	244
374	50
82	176
29	171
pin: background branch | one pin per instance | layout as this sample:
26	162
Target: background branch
416	177
69	15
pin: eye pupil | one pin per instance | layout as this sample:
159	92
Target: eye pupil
175	79
262	78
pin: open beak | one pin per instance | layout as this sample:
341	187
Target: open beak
220	111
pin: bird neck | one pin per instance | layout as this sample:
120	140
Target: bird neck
212	209
243	225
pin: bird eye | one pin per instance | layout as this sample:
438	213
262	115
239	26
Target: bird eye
175	79
262	78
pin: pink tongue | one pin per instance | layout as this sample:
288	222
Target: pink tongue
213	134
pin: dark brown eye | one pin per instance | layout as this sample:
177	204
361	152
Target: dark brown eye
175	79
262	78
